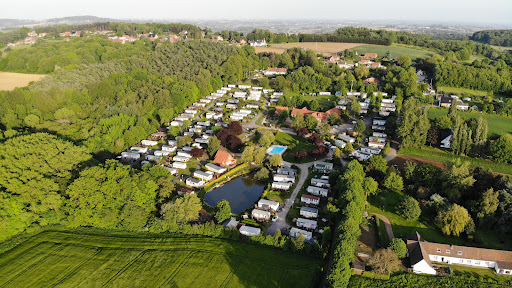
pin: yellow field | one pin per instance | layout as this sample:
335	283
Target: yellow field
327	48
9	81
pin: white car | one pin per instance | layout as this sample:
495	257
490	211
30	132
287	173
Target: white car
274	219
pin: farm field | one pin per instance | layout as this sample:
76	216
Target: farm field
9	81
395	50
68	259
455	90
498	125
326	48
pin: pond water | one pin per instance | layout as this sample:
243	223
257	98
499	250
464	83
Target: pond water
240	192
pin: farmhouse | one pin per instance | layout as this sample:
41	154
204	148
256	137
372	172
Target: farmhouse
317	191
284	178
308	199
295	232
268	205
308	212
249	231
369	56
224	159
421	253
260	215
306	223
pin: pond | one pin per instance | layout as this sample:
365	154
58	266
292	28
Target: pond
241	193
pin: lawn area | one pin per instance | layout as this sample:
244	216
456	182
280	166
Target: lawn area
476	272
396	50
438	155
385	203
295	144
68	259
455	90
404	279
498	124
326	102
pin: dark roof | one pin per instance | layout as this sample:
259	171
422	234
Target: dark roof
445	133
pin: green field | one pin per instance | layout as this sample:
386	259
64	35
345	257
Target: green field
498	125
295	144
326	102
66	259
455	90
439	155
395	50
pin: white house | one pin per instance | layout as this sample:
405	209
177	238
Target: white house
346	138
281	185
139	150
421	254
308	212
149	142
161	153
179	165
370	150
215	168
340	143
152	158
176	123
260	215
168	148
268	205
377	145
286	171
284	178
203	175
249	231
185	153
317	191
201	140
295	232
309	199
446	139
380	135
180	158
362	156
320	183
194	182
306	223
130	155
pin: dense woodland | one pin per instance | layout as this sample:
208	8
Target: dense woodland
494	37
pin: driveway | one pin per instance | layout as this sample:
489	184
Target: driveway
387	224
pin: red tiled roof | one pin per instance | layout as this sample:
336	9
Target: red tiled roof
223	158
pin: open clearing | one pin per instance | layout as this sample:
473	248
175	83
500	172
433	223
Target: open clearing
66	259
326	48
395	50
455	90
498	124
9	81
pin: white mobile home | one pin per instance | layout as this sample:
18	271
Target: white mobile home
215	169
306	223
179	165
281	185
149	142
161	153
180	158
309	199
139	150
168	148
194	182
260	215
308	212
249	231
317	191
320	183
284	178
130	155
203	175
295	232
286	171
268	205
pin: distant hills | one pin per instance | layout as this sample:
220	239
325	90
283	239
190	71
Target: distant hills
72	20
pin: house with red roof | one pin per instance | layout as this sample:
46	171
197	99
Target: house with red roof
224	159
369	56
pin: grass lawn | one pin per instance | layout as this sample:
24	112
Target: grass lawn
326	102
455	90
295	144
396	50
498	124
439	155
385	203
67	259
484	273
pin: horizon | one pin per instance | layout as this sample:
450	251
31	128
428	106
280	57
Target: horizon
401	11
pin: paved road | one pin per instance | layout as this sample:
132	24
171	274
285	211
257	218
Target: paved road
280	223
387	224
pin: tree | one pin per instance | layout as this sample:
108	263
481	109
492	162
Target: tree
409	209
259	155
180	142
452	112
377	163
398	246
360	126
348	149
298	122
267	137
385	261
414	124
457	179
235	127
404	61
337	153
500	150
213	145
182	209
370	186
223	211
276	160
196	152
311	122
394	182
362	71
324	128
354	107
248	154
283	115
334	119
313	105
488	203
262	174
302	132
453	220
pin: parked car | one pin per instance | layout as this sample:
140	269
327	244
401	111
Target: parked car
274	219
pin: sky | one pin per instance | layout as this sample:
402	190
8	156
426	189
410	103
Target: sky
425	11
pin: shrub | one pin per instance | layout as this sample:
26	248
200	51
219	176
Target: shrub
409	208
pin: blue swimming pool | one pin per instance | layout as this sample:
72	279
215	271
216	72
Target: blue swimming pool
276	149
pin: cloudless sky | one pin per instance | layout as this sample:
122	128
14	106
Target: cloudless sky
425	11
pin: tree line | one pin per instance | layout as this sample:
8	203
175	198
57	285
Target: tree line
494	37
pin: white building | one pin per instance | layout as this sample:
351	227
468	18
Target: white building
149	143
179	165
295	232
320	183
130	155
215	168
260	215
317	191
284	178
194	182
340	143
309	199
180	158
139	150
161	153
203	175
346	138
306	223
308	212
168	148
286	171
281	185
249	231
268	205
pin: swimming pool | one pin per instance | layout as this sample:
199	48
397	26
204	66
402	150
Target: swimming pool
276	149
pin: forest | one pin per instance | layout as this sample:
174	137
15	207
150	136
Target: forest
494	37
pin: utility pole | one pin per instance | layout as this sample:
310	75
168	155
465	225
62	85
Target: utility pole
351	84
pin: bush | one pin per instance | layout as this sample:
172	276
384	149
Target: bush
409	208
398	246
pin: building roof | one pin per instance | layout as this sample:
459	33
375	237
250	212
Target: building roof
230	223
309	209
250	230
223	157
267	202
310	197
